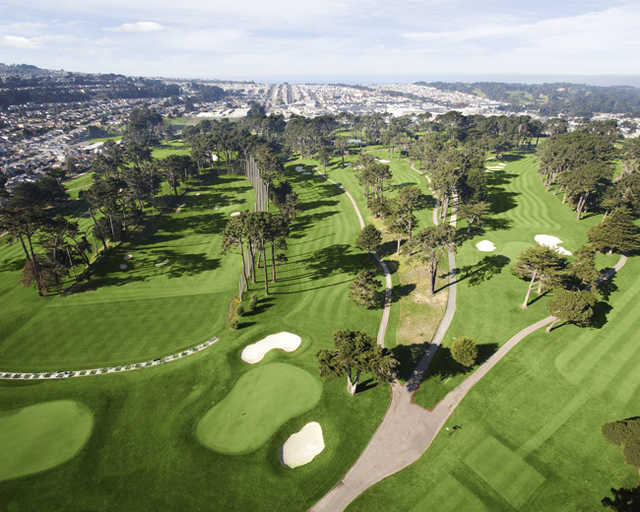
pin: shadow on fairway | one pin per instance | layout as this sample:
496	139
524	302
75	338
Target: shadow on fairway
304	222
600	312
337	258
484	270
366	385
445	366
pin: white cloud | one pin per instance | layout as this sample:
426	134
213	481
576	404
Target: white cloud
17	42
138	26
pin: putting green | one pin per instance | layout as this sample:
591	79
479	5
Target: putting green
261	401
42	436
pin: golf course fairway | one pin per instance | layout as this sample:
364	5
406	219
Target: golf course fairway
42	436
261	401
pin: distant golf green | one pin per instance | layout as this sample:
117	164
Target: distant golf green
261	401
42	436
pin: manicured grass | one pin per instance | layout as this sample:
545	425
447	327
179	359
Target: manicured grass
261	401
522	209
42	436
161	303
143	453
544	404
529	433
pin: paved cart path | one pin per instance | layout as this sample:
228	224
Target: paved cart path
407	430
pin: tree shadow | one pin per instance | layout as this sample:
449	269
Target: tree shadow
538	297
445	366
311	205
304	222
387	249
607	286
600	312
484	270
363	386
408	357
262	305
188	264
337	258
400	186
401	290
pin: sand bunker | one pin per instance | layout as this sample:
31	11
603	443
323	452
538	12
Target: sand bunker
485	246
302	447
197	193
286	341
383	161
128	257
162	263
123	266
552	242
235	214
299	168
214	157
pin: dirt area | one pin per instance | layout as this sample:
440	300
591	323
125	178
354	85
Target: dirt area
420	311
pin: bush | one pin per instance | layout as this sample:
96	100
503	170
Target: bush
625	433
253	302
236	310
364	289
464	351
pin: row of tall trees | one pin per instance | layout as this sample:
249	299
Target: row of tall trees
252	233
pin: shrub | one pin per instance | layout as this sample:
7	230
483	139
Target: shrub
236	310
464	351
625	433
364	289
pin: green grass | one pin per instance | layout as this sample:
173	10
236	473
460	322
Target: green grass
522	209
261	401
545	404
143	453
529	436
145	311
42	436
104	139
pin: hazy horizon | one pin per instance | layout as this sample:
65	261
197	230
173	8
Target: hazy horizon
334	39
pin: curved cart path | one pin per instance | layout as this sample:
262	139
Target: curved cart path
407	429
382	329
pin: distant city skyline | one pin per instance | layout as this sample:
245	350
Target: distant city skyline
334	40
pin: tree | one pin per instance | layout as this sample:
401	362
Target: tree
234	235
541	264
369	238
341	146
616	233
410	199
582	273
626	434
364	289
475	213
269	167
430	245
324	155
356	352
571	307
464	351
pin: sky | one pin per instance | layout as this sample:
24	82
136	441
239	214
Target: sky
334	39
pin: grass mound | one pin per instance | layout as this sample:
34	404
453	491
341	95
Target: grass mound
42	436
261	401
